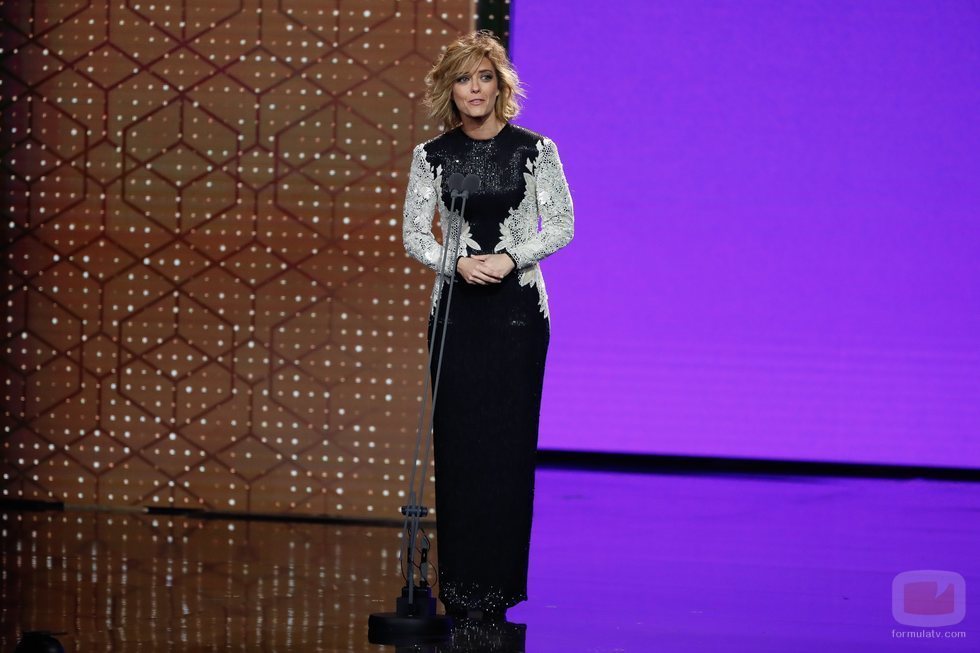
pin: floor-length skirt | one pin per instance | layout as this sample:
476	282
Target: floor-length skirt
485	438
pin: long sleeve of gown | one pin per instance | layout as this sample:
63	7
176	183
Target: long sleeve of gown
420	204
554	202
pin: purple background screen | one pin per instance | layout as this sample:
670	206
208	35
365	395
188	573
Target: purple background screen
777	249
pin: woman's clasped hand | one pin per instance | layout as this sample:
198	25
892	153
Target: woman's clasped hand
483	269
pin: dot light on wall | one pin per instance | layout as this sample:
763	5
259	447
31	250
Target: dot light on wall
207	303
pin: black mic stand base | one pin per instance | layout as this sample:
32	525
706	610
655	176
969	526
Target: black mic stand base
411	622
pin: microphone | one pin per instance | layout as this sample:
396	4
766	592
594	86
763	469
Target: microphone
455	183
471	184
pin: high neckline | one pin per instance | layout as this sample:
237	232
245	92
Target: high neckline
484	140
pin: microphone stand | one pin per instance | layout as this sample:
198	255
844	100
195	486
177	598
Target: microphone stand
415	615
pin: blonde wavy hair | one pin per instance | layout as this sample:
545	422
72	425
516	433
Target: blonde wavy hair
459	58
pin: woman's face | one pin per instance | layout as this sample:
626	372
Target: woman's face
475	92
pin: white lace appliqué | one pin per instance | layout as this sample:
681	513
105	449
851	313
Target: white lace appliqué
466	237
546	194
531	276
421	199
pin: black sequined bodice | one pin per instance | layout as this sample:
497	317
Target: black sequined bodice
500	163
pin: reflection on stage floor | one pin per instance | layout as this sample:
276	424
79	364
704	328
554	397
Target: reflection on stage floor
620	562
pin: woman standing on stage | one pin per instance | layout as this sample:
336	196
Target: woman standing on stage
486	420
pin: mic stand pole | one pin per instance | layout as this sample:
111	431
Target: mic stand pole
415	615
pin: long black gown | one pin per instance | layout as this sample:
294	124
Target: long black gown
489	393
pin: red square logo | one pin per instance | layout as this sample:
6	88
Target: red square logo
928	598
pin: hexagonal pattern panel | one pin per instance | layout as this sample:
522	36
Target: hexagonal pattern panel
206	300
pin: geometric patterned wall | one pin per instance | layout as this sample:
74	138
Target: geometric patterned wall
207	303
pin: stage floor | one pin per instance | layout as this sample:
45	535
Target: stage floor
619	562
